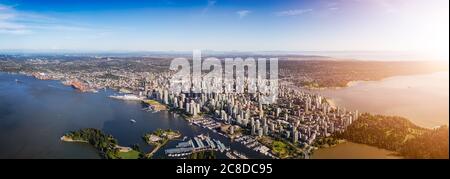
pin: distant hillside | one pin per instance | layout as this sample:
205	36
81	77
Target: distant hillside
335	73
400	135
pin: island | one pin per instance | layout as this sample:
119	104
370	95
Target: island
107	145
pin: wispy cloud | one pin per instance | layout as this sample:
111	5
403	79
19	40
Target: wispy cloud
332	6
243	13
293	12
388	6
3	7
17	22
7	24
210	4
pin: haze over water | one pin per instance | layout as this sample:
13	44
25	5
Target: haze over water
423	99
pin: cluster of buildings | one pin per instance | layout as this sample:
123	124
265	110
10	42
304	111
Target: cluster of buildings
297	116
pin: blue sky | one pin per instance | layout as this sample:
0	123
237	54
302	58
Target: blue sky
244	25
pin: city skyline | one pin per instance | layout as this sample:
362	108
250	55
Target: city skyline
416	27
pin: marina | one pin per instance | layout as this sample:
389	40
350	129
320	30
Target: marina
197	144
253	144
98	110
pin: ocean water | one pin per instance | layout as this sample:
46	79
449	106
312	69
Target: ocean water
34	114
423	99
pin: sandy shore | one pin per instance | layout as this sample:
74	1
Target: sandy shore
68	139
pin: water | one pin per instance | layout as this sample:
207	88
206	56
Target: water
350	150
34	114
423	99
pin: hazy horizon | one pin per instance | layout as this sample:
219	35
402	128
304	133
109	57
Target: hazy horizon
305	55
413	26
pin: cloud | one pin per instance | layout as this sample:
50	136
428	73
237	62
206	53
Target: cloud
210	4
7	23
3	7
332	6
17	22
243	13
294	12
388	6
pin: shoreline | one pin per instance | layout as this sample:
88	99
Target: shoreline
165	138
70	140
122	149
349	84
64	138
357	82
421	117
387	154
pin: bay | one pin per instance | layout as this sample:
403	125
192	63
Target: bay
34	114
423	99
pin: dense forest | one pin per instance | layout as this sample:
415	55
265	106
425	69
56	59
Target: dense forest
400	135
431	144
105	144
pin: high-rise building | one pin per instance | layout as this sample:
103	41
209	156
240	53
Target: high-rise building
166	97
266	129
272	127
295	136
188	108
260	132
197	109
356	116
253	129
258	125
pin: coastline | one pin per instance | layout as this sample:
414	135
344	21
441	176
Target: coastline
159	140
122	149
404	96
69	140
347	149
349	84
64	138
358	82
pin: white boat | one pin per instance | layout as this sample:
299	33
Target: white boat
132	120
128	97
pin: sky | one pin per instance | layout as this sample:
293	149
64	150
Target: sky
417	26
